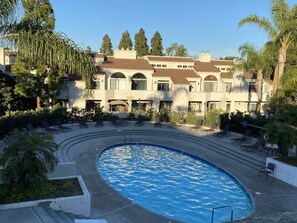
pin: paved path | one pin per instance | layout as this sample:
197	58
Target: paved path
268	197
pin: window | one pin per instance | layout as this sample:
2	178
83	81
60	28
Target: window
165	105
163	85
228	68
253	107
96	83
154	65
252	87
179	66
192	86
158	65
228	107
138	82
228	86
212	106
194	106
164	65
117	81
185	66
210	86
223	68
190	66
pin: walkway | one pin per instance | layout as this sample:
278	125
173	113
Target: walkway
84	145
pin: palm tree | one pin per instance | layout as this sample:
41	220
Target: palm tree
51	49
254	62
280	31
27	158
284	135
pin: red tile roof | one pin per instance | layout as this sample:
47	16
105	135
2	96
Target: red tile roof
223	62
205	67
170	59
227	75
178	76
249	75
128	64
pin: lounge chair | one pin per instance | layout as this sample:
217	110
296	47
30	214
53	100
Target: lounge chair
224	132
172	125
47	128
30	129
158	122
198	124
99	123
259	144
244	139
268	170
212	128
139	121
60	126
83	123
117	123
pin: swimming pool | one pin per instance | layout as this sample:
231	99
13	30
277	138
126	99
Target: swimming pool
173	184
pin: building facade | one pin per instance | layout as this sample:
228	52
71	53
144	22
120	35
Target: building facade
124	82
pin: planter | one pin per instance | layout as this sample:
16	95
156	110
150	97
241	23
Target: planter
283	171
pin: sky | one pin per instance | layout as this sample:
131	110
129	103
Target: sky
200	25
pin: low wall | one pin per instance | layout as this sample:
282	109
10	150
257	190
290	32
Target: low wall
79	205
283	171
63	170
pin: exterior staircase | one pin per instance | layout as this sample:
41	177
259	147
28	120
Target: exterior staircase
48	215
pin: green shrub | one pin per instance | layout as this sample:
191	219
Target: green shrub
177	117
213	115
192	118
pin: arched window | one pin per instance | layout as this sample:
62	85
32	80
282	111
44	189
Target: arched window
117	81
210	84
138	82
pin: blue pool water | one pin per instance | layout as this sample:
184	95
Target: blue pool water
172	184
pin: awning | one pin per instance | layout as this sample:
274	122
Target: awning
118	103
144	102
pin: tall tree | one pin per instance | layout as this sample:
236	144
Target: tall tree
106	46
141	43
254	62
280	31
126	42
38	15
54	50
156	44
176	50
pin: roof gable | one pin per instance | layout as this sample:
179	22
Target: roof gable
178	76
205	67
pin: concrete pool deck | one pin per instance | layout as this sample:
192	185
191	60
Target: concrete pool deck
84	145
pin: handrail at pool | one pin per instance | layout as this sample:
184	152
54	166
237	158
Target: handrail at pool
227	206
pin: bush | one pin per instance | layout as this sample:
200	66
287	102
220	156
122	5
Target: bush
213	115
192	118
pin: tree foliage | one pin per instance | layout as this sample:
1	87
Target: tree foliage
125	42
176	50
6	92
156	44
141	46
106	46
27	158
281	30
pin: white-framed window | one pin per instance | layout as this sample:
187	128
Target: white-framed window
185	66
164	65
163	85
138	82
179	66
117	81
210	86
228	86
193	86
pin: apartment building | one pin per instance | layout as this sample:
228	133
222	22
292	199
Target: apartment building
124	82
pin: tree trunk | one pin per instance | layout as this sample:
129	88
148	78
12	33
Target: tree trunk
259	89
281	61
38	102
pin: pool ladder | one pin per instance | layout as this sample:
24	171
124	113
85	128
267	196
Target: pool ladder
128	137
213	211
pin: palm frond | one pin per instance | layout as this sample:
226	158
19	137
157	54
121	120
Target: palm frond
262	23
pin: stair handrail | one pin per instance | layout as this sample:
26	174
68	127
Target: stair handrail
220	207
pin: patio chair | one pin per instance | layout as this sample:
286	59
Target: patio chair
212	128
158	122
259	144
60	126
83	123
139	121
172	125
224	132
47	128
99	122
244	139
198	124
268	170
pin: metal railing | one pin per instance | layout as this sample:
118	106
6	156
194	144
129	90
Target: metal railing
213	211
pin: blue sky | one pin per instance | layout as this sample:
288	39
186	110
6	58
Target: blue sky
200	25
